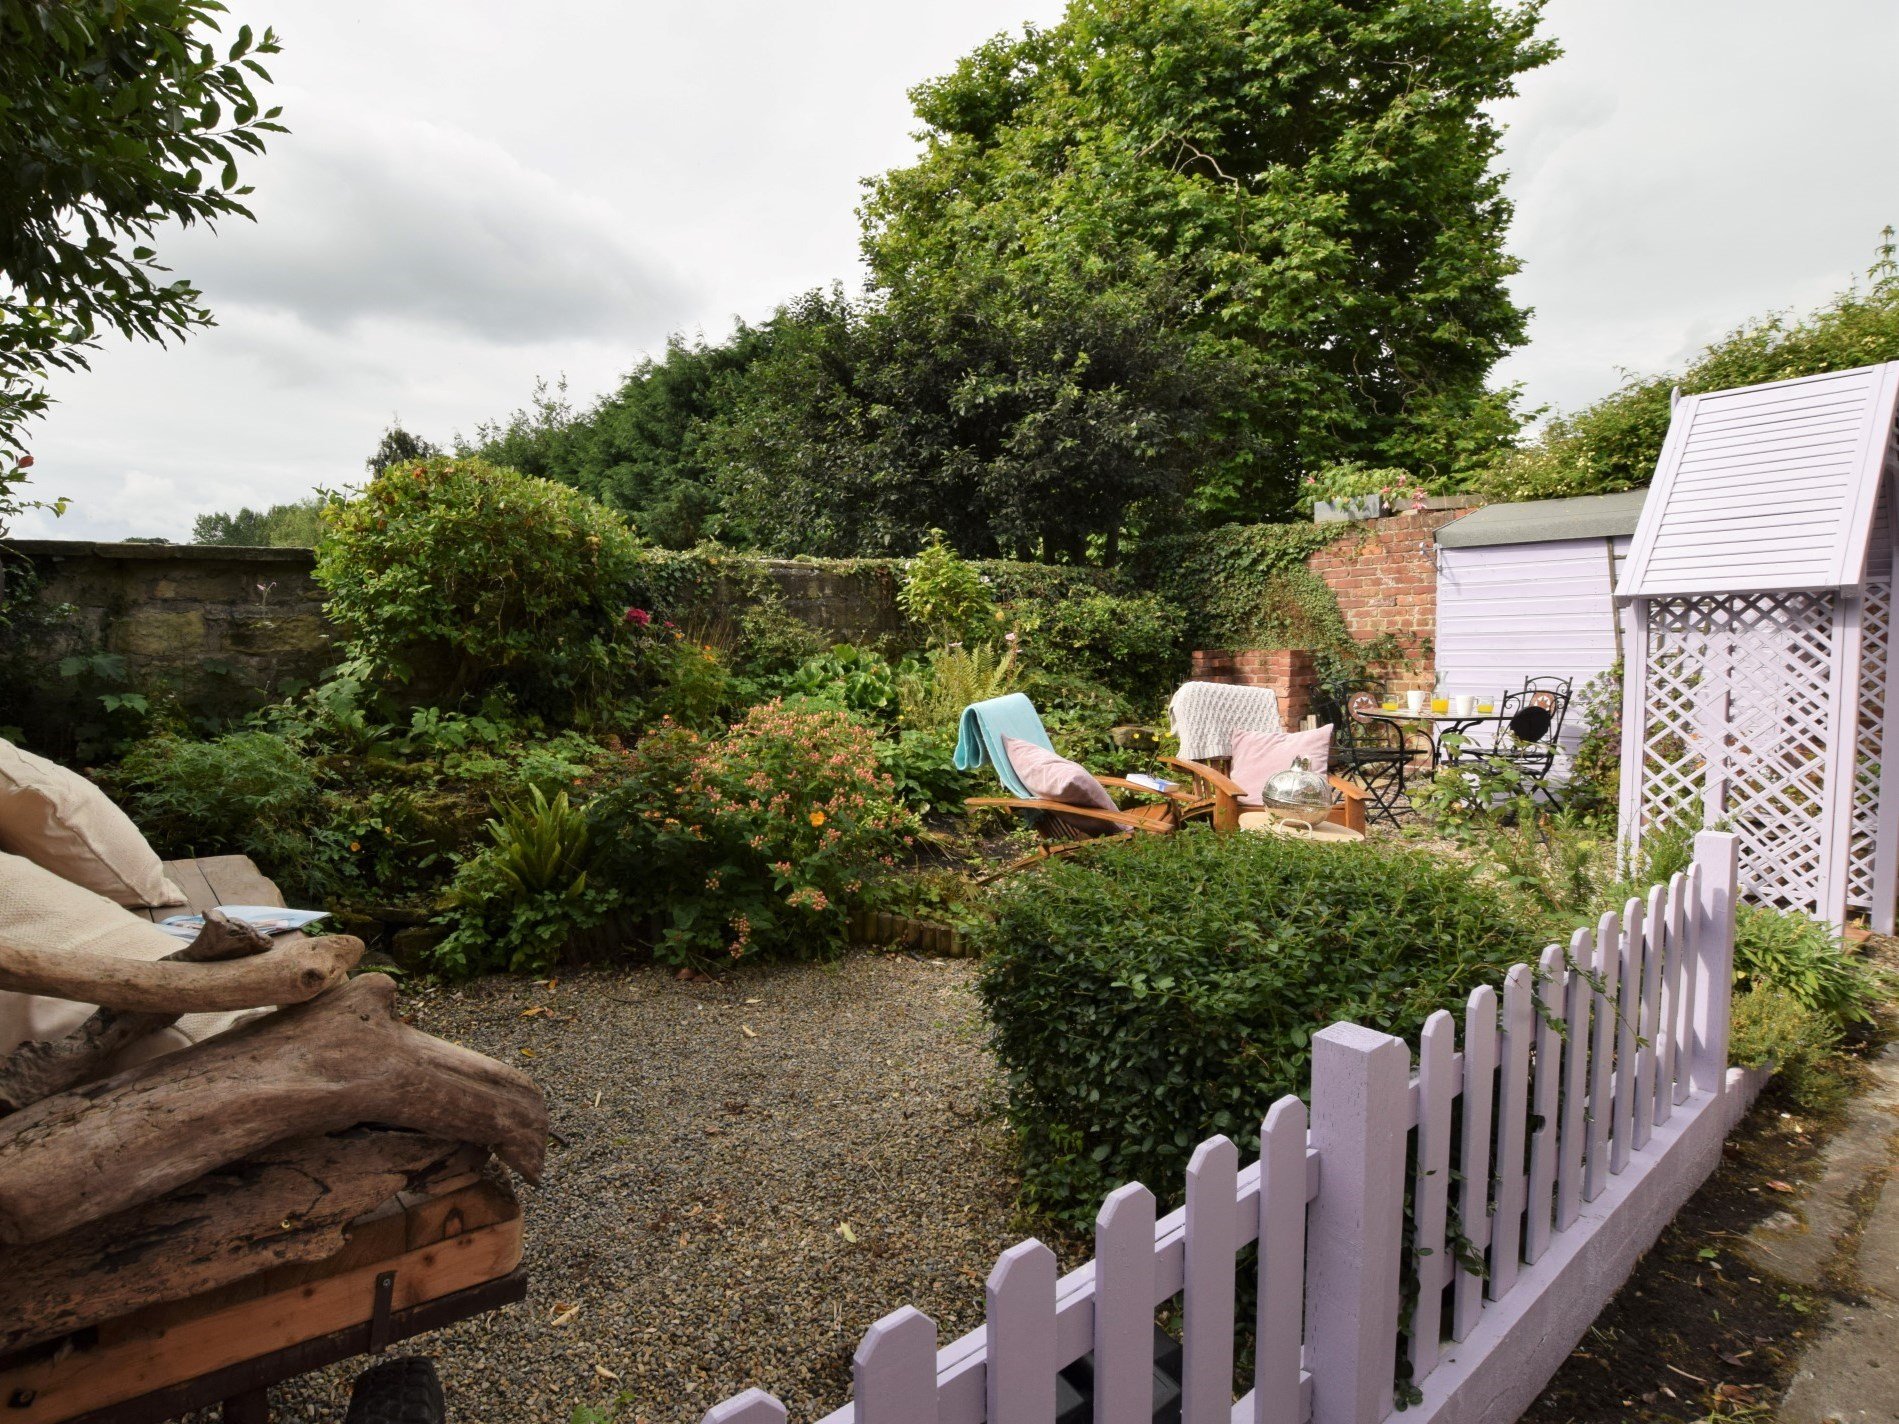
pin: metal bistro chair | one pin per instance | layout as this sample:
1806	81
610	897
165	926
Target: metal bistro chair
1375	753
1530	736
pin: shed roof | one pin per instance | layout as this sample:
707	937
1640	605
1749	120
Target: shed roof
1545	521
1766	488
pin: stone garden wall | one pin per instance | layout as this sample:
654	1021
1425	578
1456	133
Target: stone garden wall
226	628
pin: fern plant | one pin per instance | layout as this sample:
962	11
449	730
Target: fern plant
519	901
933	694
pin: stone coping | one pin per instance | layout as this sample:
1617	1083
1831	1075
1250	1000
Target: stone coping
203	553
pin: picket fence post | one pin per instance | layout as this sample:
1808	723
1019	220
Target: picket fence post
1355	1229
1717	856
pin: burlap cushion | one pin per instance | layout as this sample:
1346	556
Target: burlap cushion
59	820
41	910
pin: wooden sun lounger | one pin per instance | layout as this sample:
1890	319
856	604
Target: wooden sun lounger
419	1261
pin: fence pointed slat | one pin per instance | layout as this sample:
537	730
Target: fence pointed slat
1513	1111
893	1372
753	1406
1545	1103
1124	1307
1655	947
1473	1191
1019	1334
1280	1316
1717	857
1575	1126
1602	1053
1669	1047
1690	979
1206	1385
1628	1019
1430	1195
1361	1120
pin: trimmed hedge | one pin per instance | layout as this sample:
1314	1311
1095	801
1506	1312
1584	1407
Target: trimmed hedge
1147	994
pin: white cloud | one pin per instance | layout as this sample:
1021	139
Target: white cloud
474	196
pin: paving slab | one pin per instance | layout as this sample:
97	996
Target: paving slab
1850	1374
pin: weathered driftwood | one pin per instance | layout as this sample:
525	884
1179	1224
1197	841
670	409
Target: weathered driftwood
318	1067
288	1203
287	973
40	1068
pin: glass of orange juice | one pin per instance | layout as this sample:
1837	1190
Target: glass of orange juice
1440	705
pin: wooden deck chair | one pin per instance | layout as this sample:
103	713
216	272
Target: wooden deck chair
1065	827
1205	717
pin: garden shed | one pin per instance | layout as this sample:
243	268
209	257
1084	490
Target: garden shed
1528	590
1758	622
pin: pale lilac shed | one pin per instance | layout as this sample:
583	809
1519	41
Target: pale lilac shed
1528	590
1758	619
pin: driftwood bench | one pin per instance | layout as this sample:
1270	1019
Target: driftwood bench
302	1254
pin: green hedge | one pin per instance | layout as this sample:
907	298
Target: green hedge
1147	994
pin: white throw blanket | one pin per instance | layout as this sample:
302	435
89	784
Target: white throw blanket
1207	714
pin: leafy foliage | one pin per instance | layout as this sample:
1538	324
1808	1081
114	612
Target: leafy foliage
1316	175
1132	643
752	842
489	578
945	596
282	526
1802	958
1614	444
519	901
1148	994
932	694
120	116
396	446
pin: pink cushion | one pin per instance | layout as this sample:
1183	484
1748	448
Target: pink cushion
1055	777
1259	756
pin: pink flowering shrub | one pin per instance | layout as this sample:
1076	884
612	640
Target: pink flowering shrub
757	840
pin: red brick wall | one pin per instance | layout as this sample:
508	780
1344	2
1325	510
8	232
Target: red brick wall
1384	574
1288	671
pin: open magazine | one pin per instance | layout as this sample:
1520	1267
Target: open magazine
271	919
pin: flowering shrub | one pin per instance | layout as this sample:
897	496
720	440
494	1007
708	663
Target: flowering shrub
1352	479
754	841
462	573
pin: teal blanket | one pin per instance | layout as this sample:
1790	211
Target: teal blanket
985	724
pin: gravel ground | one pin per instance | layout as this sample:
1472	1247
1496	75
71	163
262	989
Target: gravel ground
712	1139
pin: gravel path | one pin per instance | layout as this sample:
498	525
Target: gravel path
687	1233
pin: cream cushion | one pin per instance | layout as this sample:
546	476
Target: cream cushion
40	909
58	819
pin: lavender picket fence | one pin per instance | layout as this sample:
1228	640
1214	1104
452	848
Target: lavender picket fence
1583	1107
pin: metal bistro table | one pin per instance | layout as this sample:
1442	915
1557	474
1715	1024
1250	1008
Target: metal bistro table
1437	725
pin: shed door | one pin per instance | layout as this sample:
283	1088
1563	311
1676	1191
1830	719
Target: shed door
1511	611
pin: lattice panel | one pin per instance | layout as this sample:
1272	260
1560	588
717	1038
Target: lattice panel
1874	660
1739	690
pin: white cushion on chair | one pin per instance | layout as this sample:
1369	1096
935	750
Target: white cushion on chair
61	821
40	910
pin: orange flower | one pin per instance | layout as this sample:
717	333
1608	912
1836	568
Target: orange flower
817	818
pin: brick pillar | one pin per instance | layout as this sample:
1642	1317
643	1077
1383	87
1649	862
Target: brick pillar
1289	672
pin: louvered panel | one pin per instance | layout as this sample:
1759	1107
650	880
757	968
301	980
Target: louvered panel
1766	488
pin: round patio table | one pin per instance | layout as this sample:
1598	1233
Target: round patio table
1437	725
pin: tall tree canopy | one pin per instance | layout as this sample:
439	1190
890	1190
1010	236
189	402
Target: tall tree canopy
1317	175
115	116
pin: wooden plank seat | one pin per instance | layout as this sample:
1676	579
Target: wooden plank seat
301	1255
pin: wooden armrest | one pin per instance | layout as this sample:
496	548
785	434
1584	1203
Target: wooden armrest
1062	808
1346	789
289	972
1218	780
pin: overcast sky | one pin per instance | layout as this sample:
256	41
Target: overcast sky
476	194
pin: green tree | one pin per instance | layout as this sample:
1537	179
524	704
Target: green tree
1318	175
397	444
1613	444
116	116
1036	431
282	526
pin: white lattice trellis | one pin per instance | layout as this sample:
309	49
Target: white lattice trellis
1740	707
